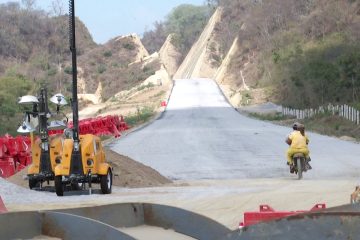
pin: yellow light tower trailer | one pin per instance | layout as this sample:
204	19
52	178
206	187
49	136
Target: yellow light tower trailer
46	151
83	158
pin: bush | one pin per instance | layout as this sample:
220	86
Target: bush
142	115
101	68
269	116
107	53
51	72
128	46
68	70
149	85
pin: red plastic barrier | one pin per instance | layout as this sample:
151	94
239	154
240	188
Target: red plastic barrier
11	145
101	126
15	153
2	206
7	167
266	213
3	148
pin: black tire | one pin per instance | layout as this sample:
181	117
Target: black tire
33	183
106	182
59	186
300	167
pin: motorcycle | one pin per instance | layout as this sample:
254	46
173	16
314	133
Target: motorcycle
300	165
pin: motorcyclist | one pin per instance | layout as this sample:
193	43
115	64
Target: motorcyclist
298	142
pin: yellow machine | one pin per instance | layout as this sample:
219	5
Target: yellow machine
83	158
91	169
56	146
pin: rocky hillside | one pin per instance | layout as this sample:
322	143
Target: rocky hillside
117	65
36	46
298	53
34	51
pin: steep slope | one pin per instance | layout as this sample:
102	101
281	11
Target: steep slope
143	95
297	53
170	56
119	64
197	56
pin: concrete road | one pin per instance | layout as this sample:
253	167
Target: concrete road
200	136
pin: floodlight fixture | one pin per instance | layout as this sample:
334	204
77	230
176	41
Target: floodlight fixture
25	128
28	99
58	99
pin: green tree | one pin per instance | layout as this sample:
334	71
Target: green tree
12	88
186	22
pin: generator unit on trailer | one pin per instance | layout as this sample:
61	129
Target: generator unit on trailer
83	158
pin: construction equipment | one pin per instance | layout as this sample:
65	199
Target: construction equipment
45	150
83	158
267	213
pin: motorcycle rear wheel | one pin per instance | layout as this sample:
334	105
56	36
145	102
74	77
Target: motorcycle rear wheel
300	167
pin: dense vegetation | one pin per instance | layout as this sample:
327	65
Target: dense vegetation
186	22
306	50
11	86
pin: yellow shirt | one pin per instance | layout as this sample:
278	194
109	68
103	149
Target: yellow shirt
298	140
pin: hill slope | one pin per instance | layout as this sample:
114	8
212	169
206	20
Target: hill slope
34	52
297	53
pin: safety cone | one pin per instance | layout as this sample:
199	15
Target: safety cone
2	206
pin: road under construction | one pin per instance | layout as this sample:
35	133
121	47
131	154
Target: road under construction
201	138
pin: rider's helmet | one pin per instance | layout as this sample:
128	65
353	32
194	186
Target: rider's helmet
300	127
295	125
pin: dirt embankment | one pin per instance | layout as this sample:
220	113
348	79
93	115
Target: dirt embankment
127	173
133	174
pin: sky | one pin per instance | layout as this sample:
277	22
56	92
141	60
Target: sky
107	19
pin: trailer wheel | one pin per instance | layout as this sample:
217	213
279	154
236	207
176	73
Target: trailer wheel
106	182
59	186
33	183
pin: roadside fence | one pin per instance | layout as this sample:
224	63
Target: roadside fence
344	111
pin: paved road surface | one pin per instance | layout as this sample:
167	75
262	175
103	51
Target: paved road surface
200	136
